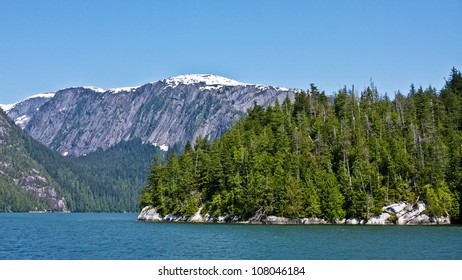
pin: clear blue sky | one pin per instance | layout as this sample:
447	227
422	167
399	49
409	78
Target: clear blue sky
52	44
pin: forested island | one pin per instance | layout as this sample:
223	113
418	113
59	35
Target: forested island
324	157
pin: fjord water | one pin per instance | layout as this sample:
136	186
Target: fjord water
119	236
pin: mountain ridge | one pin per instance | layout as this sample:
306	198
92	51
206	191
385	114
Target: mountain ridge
78	120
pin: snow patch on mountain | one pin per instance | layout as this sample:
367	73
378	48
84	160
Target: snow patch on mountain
162	147
207	79
9	107
41	95
111	90
265	87
212	82
22	120
122	89
95	89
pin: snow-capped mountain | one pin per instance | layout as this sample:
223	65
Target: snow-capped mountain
21	112
79	120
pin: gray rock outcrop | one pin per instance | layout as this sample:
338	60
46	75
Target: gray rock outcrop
40	187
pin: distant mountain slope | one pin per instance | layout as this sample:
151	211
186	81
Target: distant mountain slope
77	121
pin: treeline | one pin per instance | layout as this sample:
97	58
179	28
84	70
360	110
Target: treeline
323	156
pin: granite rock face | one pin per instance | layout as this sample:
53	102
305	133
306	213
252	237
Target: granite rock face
76	121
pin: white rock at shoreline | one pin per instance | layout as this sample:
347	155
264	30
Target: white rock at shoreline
149	213
197	218
382	219
352	221
406	214
313	221
402	213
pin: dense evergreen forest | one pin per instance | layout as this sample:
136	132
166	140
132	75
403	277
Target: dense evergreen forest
322	156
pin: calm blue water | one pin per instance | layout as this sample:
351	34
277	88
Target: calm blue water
120	236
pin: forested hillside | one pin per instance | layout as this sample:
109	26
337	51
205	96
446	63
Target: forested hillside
35	178
24	183
346	155
103	181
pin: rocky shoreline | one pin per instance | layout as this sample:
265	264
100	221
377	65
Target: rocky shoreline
402	213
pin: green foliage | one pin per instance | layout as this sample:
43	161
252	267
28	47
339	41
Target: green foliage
439	200
344	156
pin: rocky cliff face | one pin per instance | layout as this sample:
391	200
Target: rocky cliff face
80	120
